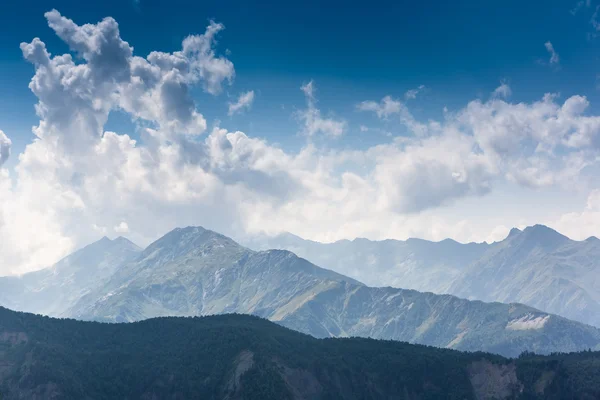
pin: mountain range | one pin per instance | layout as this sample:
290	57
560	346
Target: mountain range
536	266
193	271
238	357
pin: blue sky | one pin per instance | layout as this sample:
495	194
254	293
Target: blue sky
476	150
458	50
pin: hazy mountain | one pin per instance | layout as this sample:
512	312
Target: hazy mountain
244	357
412	264
53	290
194	271
539	267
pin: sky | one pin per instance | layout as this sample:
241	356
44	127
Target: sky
328	120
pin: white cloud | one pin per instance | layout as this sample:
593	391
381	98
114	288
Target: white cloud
5	144
412	93
386	107
122	227
502	91
364	128
244	101
313	122
554	58
77	181
582	224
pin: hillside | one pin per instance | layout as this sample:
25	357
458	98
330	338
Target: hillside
244	357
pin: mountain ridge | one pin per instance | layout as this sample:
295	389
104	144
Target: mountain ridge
194	271
549	271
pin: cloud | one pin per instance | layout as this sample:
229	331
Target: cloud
582	224
579	5
244	101
77	181
502	91
5	144
122	227
386	107
594	19
554	58
311	117
412	93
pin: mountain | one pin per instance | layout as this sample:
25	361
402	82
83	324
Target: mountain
53	290
245	357
537	266
194	271
541	268
412	264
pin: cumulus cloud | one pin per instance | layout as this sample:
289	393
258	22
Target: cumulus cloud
79	181
311	117
244	101
582	224
554	58
5	144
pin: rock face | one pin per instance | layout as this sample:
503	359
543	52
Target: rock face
243	357
194	271
537	266
53	290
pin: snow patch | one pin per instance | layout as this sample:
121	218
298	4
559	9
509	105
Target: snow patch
392	297
527	322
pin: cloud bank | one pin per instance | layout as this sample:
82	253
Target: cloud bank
77	181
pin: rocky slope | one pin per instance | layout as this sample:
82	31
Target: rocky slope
244	357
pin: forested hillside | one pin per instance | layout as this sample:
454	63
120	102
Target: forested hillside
245	357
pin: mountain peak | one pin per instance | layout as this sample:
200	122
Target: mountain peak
123	241
541	230
541	235
514	232
183	240
592	239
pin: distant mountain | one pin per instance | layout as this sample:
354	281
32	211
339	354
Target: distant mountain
244	357
539	267
194	271
411	264
53	290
